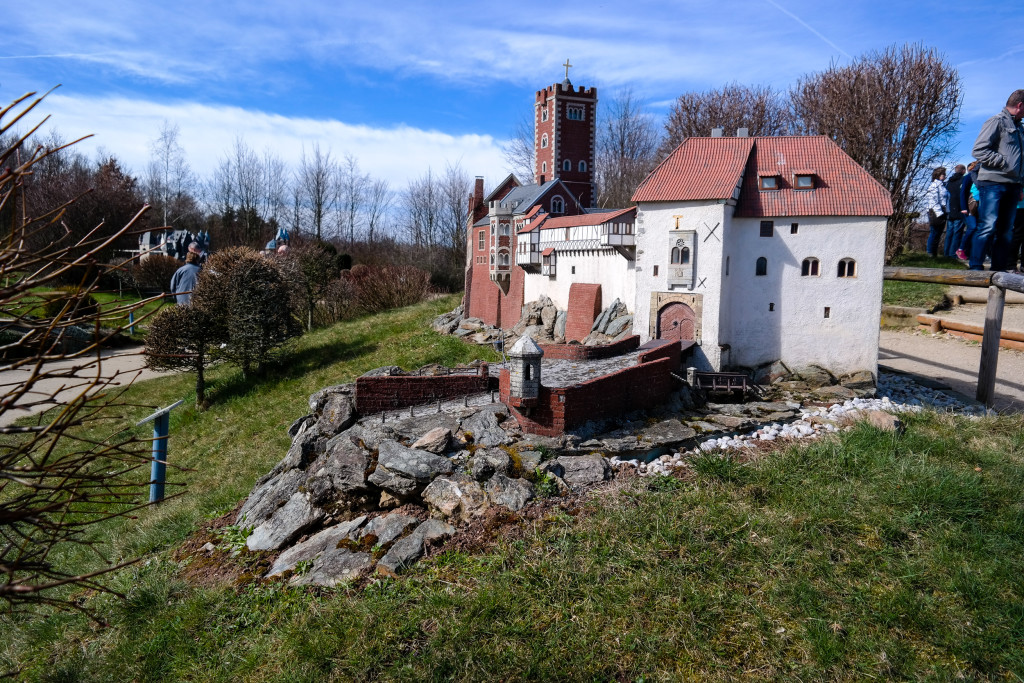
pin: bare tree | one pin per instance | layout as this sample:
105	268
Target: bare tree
378	205
519	150
169	178
455	188
627	146
66	469
759	109
275	188
895	112
352	187
423	207
247	186
319	191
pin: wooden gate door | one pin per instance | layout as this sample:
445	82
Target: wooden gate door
676	322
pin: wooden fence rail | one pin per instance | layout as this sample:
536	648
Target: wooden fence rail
997	284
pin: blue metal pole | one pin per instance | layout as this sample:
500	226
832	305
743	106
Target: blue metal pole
158	473
131	322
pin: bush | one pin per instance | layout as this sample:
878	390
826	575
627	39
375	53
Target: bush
155	271
384	287
71	304
179	338
247	303
339	302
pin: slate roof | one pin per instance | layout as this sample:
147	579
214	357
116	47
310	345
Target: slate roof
710	168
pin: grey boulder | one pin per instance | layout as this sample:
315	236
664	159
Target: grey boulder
316	544
583	470
286	524
486	430
387	528
511	493
453	497
334	566
409	549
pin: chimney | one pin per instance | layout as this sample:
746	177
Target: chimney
742	132
717	132
477	208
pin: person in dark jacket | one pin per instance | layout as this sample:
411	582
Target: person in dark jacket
955	222
184	280
1000	149
969	210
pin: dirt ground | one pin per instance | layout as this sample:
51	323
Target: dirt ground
955	362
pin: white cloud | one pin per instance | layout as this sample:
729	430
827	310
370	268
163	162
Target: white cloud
125	127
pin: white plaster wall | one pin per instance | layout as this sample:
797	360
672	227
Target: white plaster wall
654	221
605	267
797	331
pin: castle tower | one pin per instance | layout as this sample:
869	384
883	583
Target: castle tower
524	372
565	126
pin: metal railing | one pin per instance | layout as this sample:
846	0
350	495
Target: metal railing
997	284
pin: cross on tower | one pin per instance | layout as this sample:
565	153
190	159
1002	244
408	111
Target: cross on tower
567	65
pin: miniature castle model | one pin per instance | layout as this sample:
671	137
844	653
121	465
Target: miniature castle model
759	249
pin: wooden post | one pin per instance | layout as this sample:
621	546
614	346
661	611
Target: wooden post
990	345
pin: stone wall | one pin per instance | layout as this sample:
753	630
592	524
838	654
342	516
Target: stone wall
642	386
581	352
376	394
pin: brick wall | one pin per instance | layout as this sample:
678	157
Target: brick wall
580	352
639	387
377	394
584	307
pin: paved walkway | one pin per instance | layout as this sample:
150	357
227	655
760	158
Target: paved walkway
119	366
953	361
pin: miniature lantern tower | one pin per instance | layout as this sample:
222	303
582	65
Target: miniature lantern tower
524	373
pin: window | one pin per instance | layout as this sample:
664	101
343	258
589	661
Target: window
771	307
574	270
676	257
809	267
768	182
847	268
503	229
492	259
767	228
566	165
794	228
544	114
544	167
503	258
557	205
526	372
481	240
762	266
655	273
828	312
583	167
727	266
686	255
574	113
804	181
544	141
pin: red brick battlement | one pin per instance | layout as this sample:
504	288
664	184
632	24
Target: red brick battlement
388	392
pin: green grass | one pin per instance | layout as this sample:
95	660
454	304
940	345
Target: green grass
918	294
871	556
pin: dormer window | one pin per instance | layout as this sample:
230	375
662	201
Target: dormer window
803	181
557	205
768	182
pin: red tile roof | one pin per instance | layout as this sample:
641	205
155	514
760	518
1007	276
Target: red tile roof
586	219
699	168
708	168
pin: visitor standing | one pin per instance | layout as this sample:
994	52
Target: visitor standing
936	199
969	210
955	220
1000	149
184	280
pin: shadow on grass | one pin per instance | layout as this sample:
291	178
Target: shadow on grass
292	364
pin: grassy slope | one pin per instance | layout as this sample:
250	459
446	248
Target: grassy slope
876	555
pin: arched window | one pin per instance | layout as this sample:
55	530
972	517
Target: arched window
583	167
557	205
566	165
544	141
809	268
685	255
503	258
526	372
675	255
762	266
544	114
847	268
544	167
492	259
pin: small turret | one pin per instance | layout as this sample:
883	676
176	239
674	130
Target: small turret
524	372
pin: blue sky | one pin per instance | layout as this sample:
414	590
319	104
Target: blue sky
408	85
